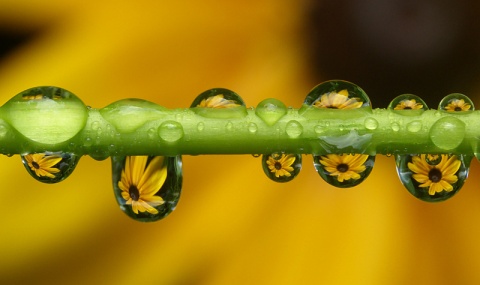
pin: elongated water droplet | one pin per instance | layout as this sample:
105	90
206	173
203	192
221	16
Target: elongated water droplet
271	110
337	94
433	177
170	131
219	103
456	102
447	133
408	102
48	115
50	167
345	170
293	129
147	188
281	167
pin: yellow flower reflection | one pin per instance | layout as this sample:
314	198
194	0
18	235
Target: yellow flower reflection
438	177
140	182
218	102
345	166
42	164
281	165
39	97
340	100
457	105
408	105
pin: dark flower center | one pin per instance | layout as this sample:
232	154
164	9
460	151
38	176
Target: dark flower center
134	193
35	164
278	165
332	107
458	109
342	167
407	108
435	175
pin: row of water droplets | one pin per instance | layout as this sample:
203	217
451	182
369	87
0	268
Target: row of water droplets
147	188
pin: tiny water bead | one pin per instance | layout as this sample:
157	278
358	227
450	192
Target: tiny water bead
50	167
371	124
447	133
456	102
433	177
252	128
337	94
407	102
170	131
271	110
226	103
281	167
147	188
293	129
48	115
344	170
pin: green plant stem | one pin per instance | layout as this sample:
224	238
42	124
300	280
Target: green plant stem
142	128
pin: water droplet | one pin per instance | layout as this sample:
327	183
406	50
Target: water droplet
371	123
252	128
48	115
345	170
271	110
293	129
408	102
456	102
414	126
219	103
337	94
95	125
200	126
229	126
88	142
147	188
3	131
170	131
50	167
431	180
447	133
281	167
256	155
152	133
395	127
319	129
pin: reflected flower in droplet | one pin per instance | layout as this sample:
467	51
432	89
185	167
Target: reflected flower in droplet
42	164
218	102
140	182
457	105
408	104
338	100
281	166
436	178
344	167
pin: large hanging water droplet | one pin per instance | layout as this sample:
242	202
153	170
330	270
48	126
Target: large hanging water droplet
147	188
408	102
50	167
344	170
337	94
271	110
48	115
433	177
281	167
456	102
219	103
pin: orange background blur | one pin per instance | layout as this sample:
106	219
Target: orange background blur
232	224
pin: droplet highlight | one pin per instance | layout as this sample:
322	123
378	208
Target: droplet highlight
50	167
170	131
344	170
433	177
457	103
271	110
281	167
147	188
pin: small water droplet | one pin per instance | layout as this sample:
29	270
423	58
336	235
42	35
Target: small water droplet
371	124
200	126
152	133
170	131
407	102
153	191
50	167
395	127
319	129
95	125
414	126
447	133
344	170
337	94
293	129
229	126
3	131
456	102
430	180
271	110
46	110
252	128
281	167
88	142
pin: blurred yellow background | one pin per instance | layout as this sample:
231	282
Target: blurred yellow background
232	224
